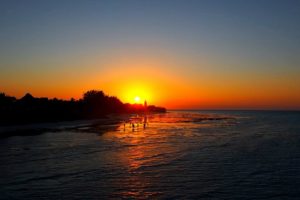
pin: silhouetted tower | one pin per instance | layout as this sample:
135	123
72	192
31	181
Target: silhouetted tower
145	104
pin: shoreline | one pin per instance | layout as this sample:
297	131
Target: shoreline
39	128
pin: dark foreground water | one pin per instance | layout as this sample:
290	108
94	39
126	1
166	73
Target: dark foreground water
178	155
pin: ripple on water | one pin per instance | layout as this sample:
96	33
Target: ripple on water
177	155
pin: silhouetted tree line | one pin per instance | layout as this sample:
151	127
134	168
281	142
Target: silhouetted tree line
94	104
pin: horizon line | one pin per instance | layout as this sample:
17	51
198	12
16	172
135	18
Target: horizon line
236	109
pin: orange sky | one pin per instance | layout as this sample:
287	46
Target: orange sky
163	82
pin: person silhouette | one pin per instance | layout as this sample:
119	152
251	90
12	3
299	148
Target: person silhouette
145	121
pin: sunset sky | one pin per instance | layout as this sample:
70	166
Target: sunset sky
175	53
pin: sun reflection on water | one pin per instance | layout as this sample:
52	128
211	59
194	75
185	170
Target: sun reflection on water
148	152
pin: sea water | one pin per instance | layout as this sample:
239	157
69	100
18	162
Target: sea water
176	155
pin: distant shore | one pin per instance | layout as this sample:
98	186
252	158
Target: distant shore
94	105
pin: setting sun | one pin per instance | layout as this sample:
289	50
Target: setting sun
137	99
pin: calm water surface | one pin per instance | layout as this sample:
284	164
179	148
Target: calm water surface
178	155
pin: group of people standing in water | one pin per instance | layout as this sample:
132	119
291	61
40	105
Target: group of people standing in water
135	122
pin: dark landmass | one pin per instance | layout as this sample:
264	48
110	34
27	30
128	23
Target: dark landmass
97	126
93	105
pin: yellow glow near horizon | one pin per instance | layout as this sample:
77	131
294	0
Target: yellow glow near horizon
136	94
137	99
164	83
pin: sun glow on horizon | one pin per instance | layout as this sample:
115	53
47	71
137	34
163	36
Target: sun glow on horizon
135	92
137	99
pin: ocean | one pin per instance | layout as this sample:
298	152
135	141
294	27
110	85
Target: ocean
175	155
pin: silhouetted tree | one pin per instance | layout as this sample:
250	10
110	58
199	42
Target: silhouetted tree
6	100
93	96
94	103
